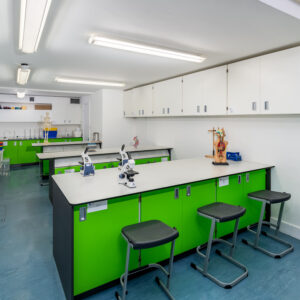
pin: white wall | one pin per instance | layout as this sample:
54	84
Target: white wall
106	117
116	130
269	139
96	113
24	130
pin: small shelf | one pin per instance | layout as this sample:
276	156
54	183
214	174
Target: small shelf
19	116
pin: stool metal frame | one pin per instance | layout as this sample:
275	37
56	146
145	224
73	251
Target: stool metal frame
124	277
259	231
204	270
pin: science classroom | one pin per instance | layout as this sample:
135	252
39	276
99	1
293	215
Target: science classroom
149	149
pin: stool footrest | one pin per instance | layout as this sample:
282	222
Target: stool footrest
225	285
157	279
203	271
273	237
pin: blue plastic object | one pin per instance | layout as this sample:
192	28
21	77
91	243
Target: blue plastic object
51	134
235	156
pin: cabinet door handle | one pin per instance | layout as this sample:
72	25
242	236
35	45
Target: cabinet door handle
240	179
143	112
198	108
267	106
82	214
254	106
188	190
247	177
176	193
168	110
205	108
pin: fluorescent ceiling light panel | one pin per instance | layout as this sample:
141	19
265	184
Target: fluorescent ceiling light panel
88	82
290	7
20	95
144	49
33	15
23	74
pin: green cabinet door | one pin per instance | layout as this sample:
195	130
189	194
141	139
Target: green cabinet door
162	205
195	229
99	248
27	153
11	151
231	193
253	181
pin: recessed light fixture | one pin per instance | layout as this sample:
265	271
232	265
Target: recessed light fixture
23	74
88	82
20	95
33	15
144	49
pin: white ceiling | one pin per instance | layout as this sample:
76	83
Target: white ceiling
220	30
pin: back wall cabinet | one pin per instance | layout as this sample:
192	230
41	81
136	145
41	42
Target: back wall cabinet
167	97
280	88
266	84
205	93
244	87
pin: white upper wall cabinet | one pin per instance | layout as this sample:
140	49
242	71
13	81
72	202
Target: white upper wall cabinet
143	98
268	84
167	97
244	87
128	104
280	88
192	94
65	113
215	91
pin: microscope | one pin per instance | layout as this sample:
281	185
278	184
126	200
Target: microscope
126	166
87	167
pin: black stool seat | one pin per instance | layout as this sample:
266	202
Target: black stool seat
149	234
222	211
270	196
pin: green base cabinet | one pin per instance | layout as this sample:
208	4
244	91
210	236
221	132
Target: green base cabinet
195	229
151	160
232	194
253	181
99	248
99	166
235	193
164	206
11	152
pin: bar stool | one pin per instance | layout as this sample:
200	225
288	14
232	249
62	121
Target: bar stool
269	197
146	235
221	212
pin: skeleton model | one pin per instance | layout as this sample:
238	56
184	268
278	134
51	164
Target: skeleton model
46	127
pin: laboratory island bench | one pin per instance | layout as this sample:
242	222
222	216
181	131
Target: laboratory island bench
68	161
60	146
89	213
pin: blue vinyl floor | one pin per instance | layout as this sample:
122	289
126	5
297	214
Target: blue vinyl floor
28	271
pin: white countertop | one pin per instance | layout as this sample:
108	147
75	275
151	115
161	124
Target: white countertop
53	155
104	185
64	143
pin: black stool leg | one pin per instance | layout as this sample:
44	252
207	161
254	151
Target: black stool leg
279	218
168	274
204	270
124	277
236	228
261	218
274	237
